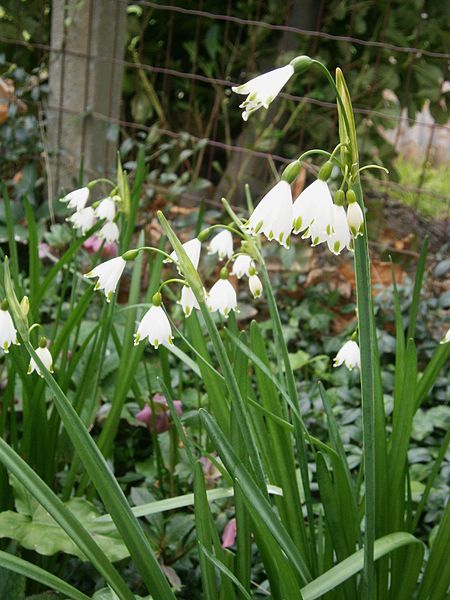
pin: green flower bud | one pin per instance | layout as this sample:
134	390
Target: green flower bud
43	342
157	299
224	273
291	172
131	254
350	197
301	63
339	198
325	171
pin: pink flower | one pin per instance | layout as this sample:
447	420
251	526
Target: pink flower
229	534
162	413
93	245
43	250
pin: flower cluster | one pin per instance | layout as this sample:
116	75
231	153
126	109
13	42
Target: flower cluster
84	217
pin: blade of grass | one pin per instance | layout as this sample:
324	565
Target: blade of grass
31	571
225	571
418	281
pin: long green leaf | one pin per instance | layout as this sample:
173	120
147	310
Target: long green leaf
353	564
55	507
28	569
223	569
253	496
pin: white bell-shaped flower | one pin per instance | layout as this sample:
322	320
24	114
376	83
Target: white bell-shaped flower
188	301
222	297
242	265
313	212
349	355
446	338
8	334
222	244
192	249
106	209
155	326
77	198
262	90
109	232
44	354
108	274
83	219
340	237
355	219
255	285
273	216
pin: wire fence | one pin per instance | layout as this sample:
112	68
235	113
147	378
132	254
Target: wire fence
421	132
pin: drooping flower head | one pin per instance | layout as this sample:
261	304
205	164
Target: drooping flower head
77	198
349	355
188	301
83	219
262	90
108	274
44	354
192	249
155	326
106	209
242	265
273	216
255	285
222	244
222	296
8	333
109	232
340	237
313	209
355	217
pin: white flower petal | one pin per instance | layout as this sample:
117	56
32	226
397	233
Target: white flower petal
154	326
222	244
241	266
77	198
106	209
83	219
349	355
313	212
355	219
262	90
109	232
46	358
273	216
446	338
8	334
188	301
222	297
108	274
255	285
192	249
340	238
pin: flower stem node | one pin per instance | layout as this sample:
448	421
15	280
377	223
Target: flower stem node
130	254
8	333
223	273
301	63
325	171
291	172
273	216
349	355
154	326
350	197
157	299
44	354
108	274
